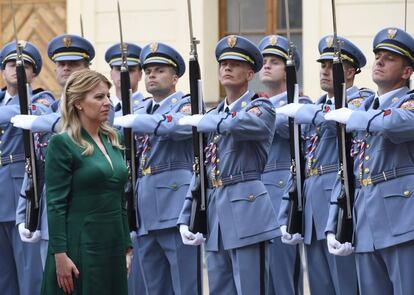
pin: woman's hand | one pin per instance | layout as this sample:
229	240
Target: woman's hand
64	269
129	257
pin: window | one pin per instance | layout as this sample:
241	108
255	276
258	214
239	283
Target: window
255	19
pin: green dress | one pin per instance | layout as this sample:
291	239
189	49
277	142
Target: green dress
86	215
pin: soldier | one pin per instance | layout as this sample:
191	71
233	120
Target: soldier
241	219
285	267
384	168
70	53
20	264
114	59
328	274
165	165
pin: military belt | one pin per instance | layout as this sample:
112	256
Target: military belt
233	179
321	170
276	166
151	170
387	175
6	160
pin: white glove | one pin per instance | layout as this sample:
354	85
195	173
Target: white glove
126	121
133	235
336	248
289	239
192	120
28	236
23	121
340	115
189	238
290	109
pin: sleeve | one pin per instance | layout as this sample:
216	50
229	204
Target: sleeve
255	122
333	208
310	114
21	204
282	217
47	123
184	217
282	125
58	173
396	124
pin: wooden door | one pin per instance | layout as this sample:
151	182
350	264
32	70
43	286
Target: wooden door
37	21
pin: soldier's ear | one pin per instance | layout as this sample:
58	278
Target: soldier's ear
408	71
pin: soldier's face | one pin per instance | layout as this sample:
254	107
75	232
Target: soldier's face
234	73
10	76
389	69
135	75
65	68
273	70
325	76
160	80
94	108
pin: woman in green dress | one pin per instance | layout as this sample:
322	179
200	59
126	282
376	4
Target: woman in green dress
89	244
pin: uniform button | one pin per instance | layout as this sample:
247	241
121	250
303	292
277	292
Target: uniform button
217	172
406	193
252	198
366	170
366	158
2	131
174	186
1	142
368	145
217	160
281	183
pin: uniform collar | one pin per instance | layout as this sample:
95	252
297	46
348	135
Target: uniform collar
279	99
392	96
239	103
167	103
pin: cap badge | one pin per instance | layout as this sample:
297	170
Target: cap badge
391	33
154	47
273	40
67	41
231	41
329	41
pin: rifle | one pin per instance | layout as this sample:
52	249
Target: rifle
198	217
297	167
126	93
344	229
23	90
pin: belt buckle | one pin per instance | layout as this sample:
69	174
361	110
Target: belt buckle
146	171
217	183
366	181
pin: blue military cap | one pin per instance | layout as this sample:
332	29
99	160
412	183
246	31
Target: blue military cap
239	48
132	52
30	54
70	47
395	40
349	51
279	46
160	53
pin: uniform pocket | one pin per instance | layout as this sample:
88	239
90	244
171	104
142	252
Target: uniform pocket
170	191
399	205
252	209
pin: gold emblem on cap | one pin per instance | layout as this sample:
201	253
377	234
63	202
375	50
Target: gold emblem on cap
329	41
391	33
243	104
123	47
67	41
154	47
231	41
273	40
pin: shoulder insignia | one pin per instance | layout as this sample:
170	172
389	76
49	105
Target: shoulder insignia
186	109
174	100
408	105
255	110
243	104
394	99
356	102
45	98
282	103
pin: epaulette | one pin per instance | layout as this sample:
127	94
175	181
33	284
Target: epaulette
55	105
212	109
4	88
186	95
255	96
260	102
146	98
366	92
185	108
44	97
37	90
411	91
305	99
